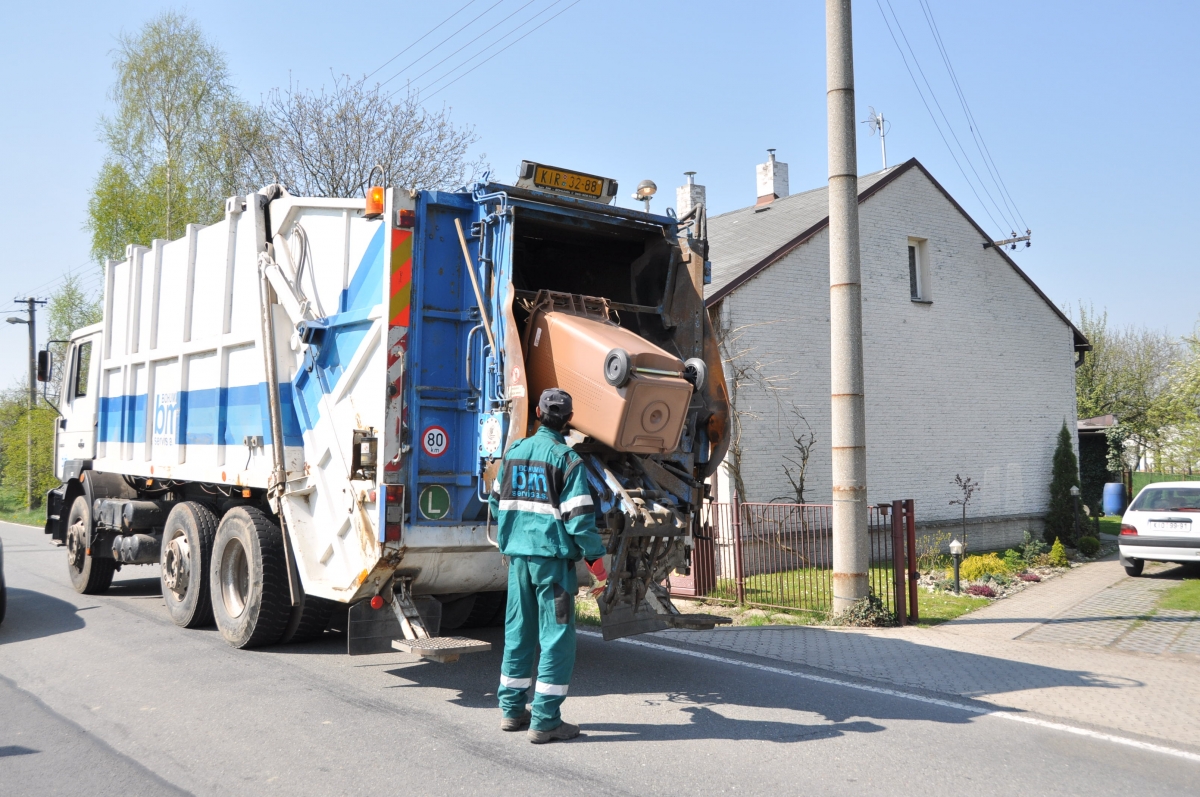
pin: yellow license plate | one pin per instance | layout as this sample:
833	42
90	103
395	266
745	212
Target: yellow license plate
568	181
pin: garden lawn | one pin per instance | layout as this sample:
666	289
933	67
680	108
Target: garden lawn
805	589
936	608
1185	597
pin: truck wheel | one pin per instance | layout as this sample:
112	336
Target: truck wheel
90	575
186	557
616	367
309	620
456	613
488	610
248	579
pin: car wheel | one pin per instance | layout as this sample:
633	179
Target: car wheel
1133	567
186	557
248	579
90	575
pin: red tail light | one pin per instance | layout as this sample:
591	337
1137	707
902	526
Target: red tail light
377	602
393	513
1128	531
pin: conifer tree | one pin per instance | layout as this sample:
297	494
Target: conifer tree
1060	517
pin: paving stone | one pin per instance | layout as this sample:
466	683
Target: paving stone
1085	647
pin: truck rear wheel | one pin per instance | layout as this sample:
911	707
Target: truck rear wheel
90	575
248	579
186	557
309	620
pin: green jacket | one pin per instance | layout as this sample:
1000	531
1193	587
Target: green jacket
542	502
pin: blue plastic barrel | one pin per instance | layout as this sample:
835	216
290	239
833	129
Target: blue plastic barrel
1114	498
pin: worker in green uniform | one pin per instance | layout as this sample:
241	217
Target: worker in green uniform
546	523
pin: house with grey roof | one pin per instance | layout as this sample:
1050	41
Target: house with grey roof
969	366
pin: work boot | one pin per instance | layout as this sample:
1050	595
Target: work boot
516	723
560	734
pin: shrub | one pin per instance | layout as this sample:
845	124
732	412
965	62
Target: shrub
1058	554
1013	560
974	568
1060	516
981	591
1034	577
1088	546
1032	549
868	612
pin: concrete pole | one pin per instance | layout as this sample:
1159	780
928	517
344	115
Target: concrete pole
849	440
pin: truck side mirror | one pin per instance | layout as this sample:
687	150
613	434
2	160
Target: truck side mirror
43	365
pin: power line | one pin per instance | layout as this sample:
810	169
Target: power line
976	133
468	44
1011	223
443	41
418	41
484	49
481	63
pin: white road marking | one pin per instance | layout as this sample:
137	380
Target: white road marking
882	690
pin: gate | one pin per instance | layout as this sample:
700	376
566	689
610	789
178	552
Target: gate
780	556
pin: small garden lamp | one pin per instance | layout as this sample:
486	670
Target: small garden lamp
1075	501
956	553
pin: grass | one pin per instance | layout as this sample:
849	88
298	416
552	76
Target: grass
787	588
1110	524
1185	596
19	514
936	608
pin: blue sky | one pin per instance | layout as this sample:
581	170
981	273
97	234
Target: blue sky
1088	110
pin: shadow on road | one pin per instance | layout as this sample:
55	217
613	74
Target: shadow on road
32	615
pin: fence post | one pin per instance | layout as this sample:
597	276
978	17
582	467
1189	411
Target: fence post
898	569
913	575
738	571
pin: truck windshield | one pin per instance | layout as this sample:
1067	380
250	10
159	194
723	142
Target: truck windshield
1168	499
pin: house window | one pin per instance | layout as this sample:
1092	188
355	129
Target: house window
918	271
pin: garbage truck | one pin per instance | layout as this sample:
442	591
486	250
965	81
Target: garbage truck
298	411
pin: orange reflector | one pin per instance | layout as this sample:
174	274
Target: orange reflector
375	201
246	493
377	602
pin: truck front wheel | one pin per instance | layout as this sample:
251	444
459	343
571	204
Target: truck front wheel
186	559
89	574
248	579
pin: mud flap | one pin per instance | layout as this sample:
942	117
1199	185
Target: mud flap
373	630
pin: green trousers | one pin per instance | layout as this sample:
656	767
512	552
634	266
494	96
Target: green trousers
541	610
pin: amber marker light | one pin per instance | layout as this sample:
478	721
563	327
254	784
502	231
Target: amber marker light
374	201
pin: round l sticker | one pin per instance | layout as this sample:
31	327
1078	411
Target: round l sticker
435	441
434	502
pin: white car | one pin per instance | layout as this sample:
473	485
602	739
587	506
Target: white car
1161	525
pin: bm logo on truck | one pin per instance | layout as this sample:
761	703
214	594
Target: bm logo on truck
166	418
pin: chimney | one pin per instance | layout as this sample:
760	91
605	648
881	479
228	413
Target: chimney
688	196
772	179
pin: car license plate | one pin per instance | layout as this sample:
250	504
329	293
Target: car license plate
568	181
1171	525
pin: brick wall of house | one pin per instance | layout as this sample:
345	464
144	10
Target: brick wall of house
976	383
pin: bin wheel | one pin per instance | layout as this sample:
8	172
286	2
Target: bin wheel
695	371
616	367
89	574
248	579
185	559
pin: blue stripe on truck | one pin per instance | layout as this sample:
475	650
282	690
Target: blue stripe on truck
210	416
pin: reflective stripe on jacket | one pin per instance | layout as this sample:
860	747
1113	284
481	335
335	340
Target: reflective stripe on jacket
542	502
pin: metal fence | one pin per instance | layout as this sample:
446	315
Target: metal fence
780	556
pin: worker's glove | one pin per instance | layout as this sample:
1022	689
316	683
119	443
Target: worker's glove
596	568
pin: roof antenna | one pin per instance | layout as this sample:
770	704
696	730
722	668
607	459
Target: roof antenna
876	123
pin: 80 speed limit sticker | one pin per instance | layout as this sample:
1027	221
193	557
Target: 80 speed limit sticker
435	441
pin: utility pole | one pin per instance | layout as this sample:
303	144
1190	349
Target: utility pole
31	305
851	552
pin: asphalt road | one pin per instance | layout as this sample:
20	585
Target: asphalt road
104	695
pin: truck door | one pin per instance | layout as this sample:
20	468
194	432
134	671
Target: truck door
443	403
76	433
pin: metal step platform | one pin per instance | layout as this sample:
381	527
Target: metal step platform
444	649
